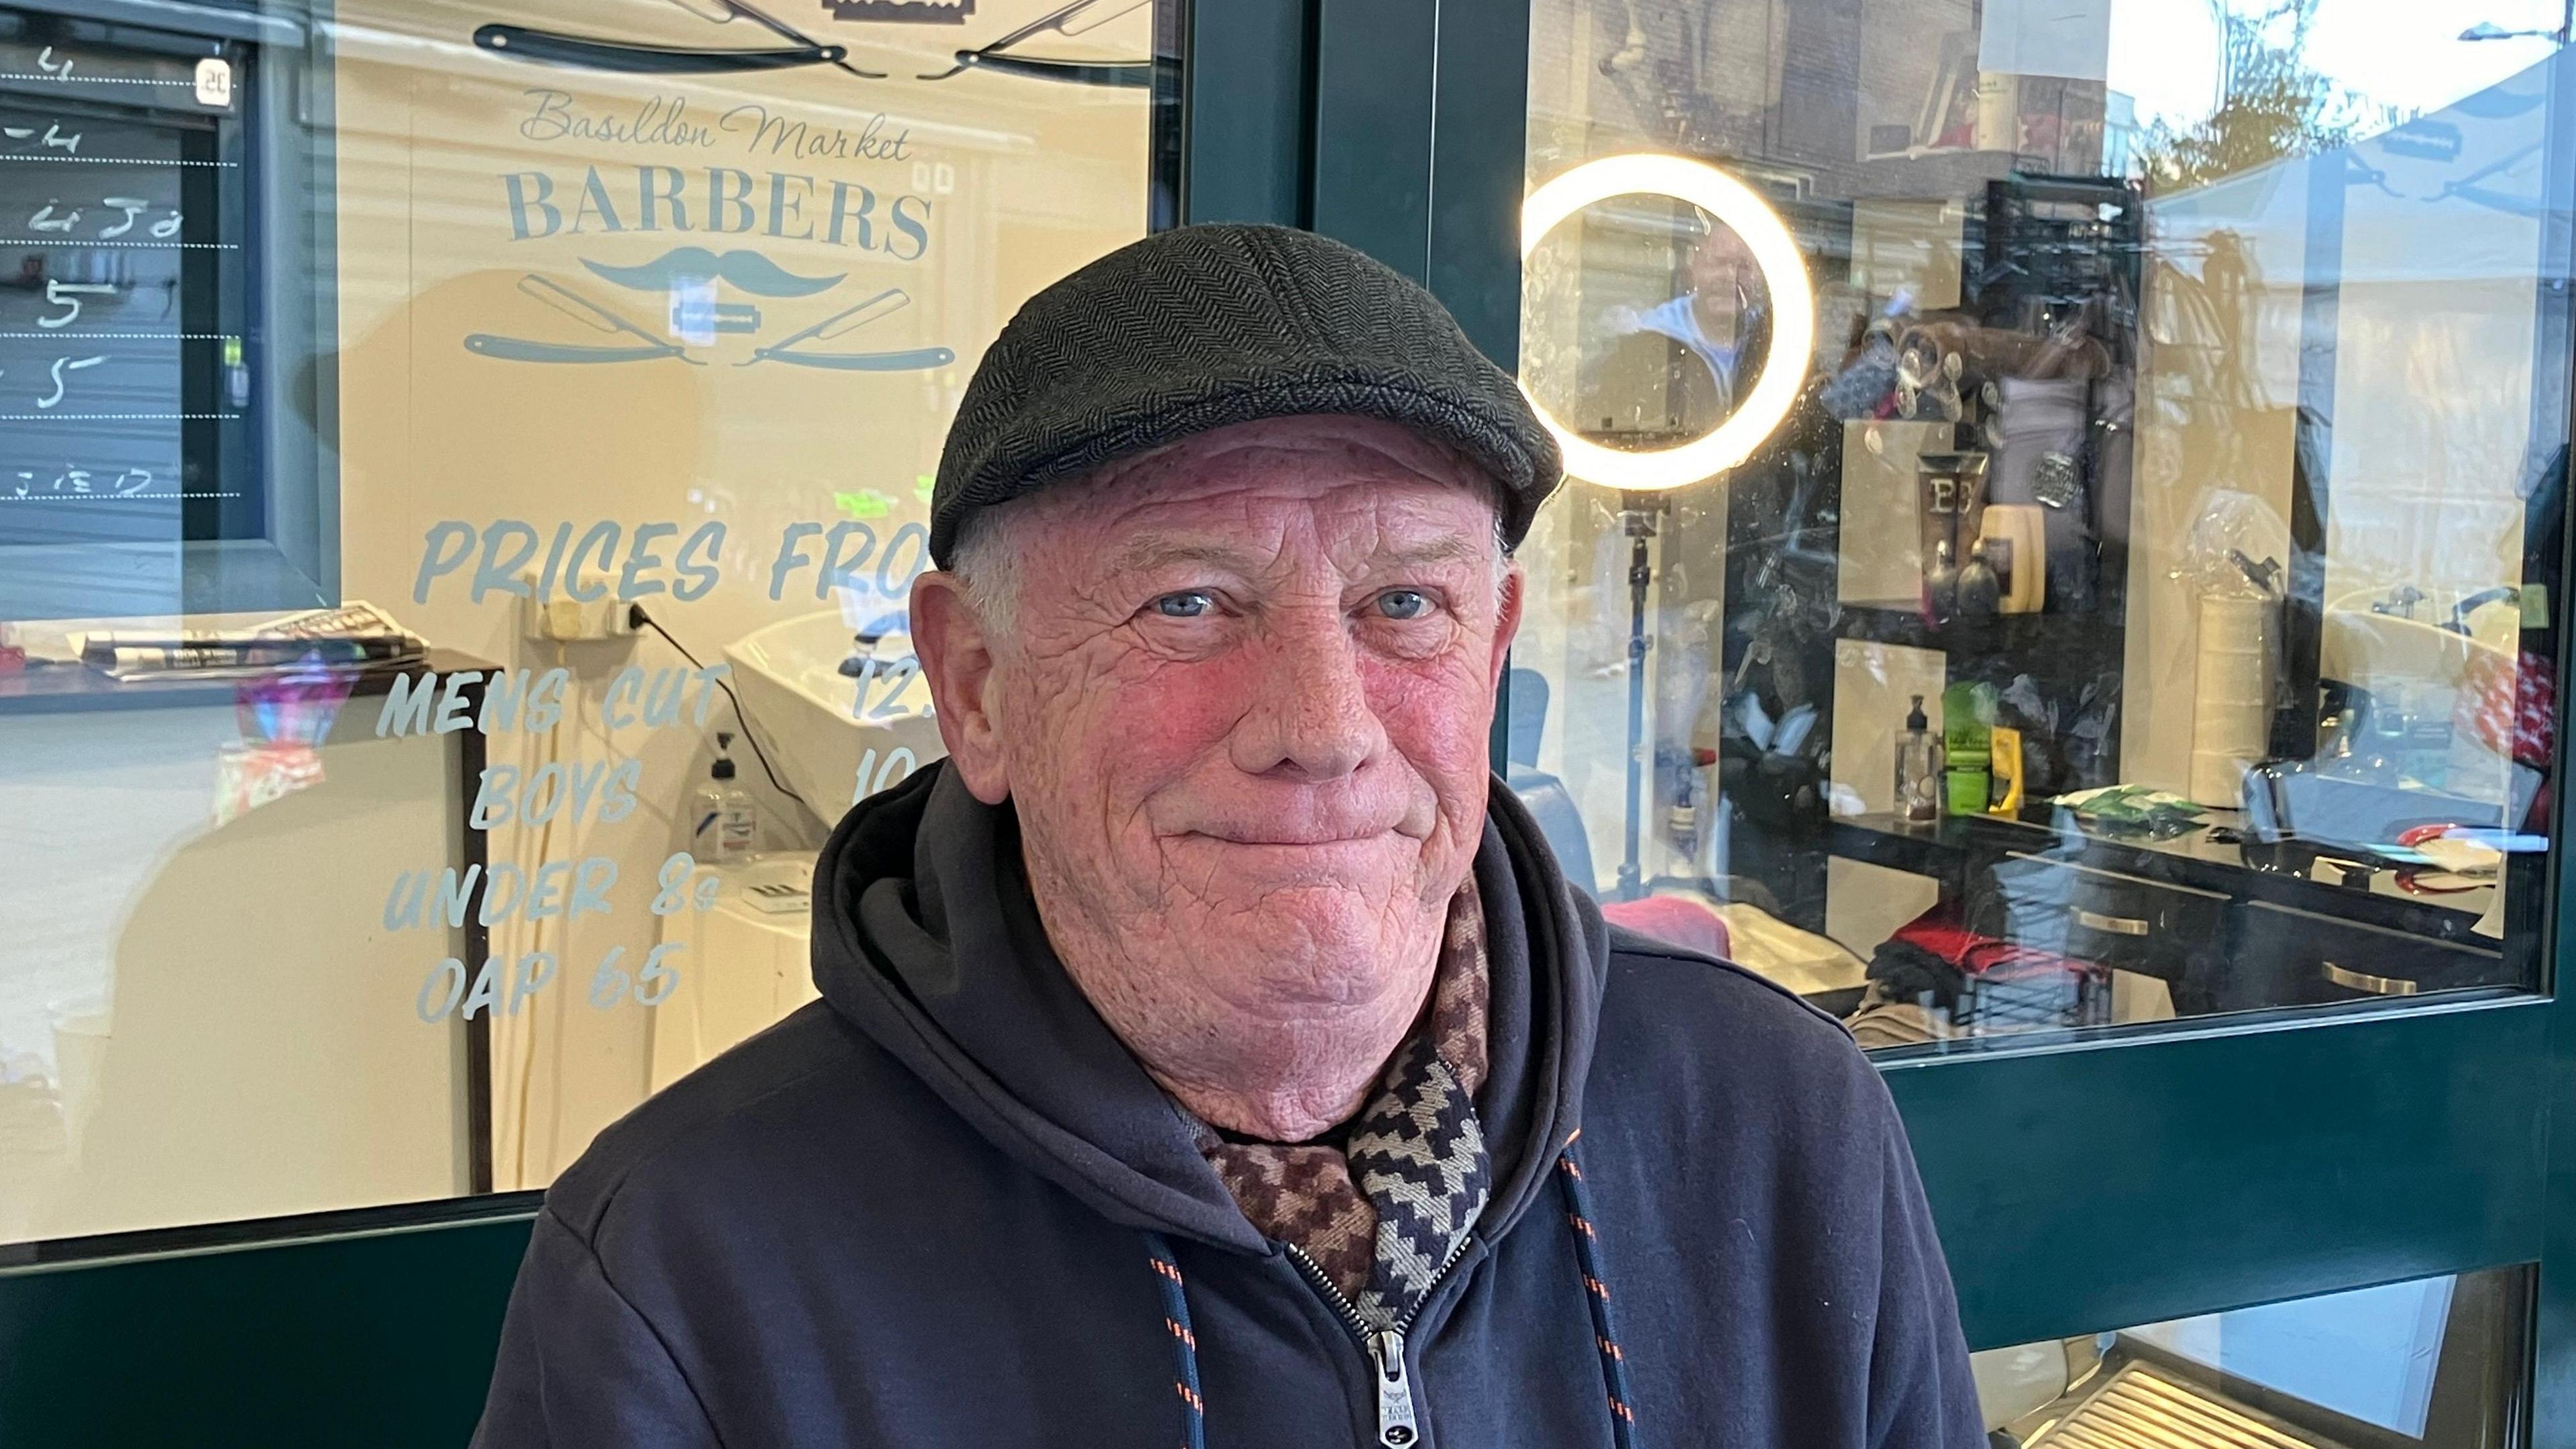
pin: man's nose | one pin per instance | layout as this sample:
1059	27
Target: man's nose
1310	711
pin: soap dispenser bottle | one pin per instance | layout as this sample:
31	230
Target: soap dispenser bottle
727	828
1918	770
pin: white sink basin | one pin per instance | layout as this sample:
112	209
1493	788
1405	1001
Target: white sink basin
2375	651
832	745
2422	672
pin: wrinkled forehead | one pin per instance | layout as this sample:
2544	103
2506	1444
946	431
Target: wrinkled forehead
1340	466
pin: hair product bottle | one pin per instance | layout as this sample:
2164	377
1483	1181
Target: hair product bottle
1918	770
1967	711
724	820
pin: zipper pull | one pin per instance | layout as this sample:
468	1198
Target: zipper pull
1395	1425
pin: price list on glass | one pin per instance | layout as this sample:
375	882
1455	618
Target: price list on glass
115	364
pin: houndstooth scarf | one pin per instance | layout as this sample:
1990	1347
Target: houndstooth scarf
1382	1215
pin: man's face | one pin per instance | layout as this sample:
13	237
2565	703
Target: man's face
1724	278
1241	703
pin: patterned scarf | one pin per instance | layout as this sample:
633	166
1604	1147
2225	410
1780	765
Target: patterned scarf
1384	1214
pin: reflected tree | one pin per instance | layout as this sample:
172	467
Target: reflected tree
2272	103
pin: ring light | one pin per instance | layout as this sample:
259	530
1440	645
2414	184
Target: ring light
1784	271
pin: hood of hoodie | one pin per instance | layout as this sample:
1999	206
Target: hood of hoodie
927	938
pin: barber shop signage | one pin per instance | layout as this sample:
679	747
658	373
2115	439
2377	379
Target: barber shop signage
777	290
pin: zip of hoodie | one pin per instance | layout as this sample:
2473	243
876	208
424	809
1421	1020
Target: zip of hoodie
1399	1412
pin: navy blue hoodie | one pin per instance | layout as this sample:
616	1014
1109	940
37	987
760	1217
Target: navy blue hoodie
943	1208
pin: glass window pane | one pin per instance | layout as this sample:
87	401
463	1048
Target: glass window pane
2438	1362
544	398
2066	499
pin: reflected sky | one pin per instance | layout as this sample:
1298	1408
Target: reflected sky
2396	53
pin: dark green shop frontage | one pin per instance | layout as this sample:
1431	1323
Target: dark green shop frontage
2063	569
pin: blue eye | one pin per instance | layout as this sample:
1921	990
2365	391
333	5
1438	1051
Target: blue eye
1403	604
1187	604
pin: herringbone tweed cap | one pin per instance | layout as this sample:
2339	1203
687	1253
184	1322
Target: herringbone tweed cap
1207	326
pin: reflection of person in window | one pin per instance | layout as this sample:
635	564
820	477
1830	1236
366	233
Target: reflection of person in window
1724	319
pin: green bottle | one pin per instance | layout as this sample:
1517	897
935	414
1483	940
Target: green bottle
1967	712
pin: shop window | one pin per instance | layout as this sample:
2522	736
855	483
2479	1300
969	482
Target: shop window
2435	1363
2067	499
539	403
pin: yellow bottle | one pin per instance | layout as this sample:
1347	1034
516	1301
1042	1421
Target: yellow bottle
2003	745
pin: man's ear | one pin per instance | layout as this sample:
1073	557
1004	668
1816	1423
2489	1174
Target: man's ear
1507	623
957	658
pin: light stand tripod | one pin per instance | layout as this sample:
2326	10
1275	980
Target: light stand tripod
1640	515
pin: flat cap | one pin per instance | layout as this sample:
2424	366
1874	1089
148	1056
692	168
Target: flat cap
1204	327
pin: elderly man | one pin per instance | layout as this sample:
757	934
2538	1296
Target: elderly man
1208	1054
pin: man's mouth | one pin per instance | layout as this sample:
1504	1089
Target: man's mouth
1342	861
1292	826
1280	840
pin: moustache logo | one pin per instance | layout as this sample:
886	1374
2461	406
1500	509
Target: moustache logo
749	271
